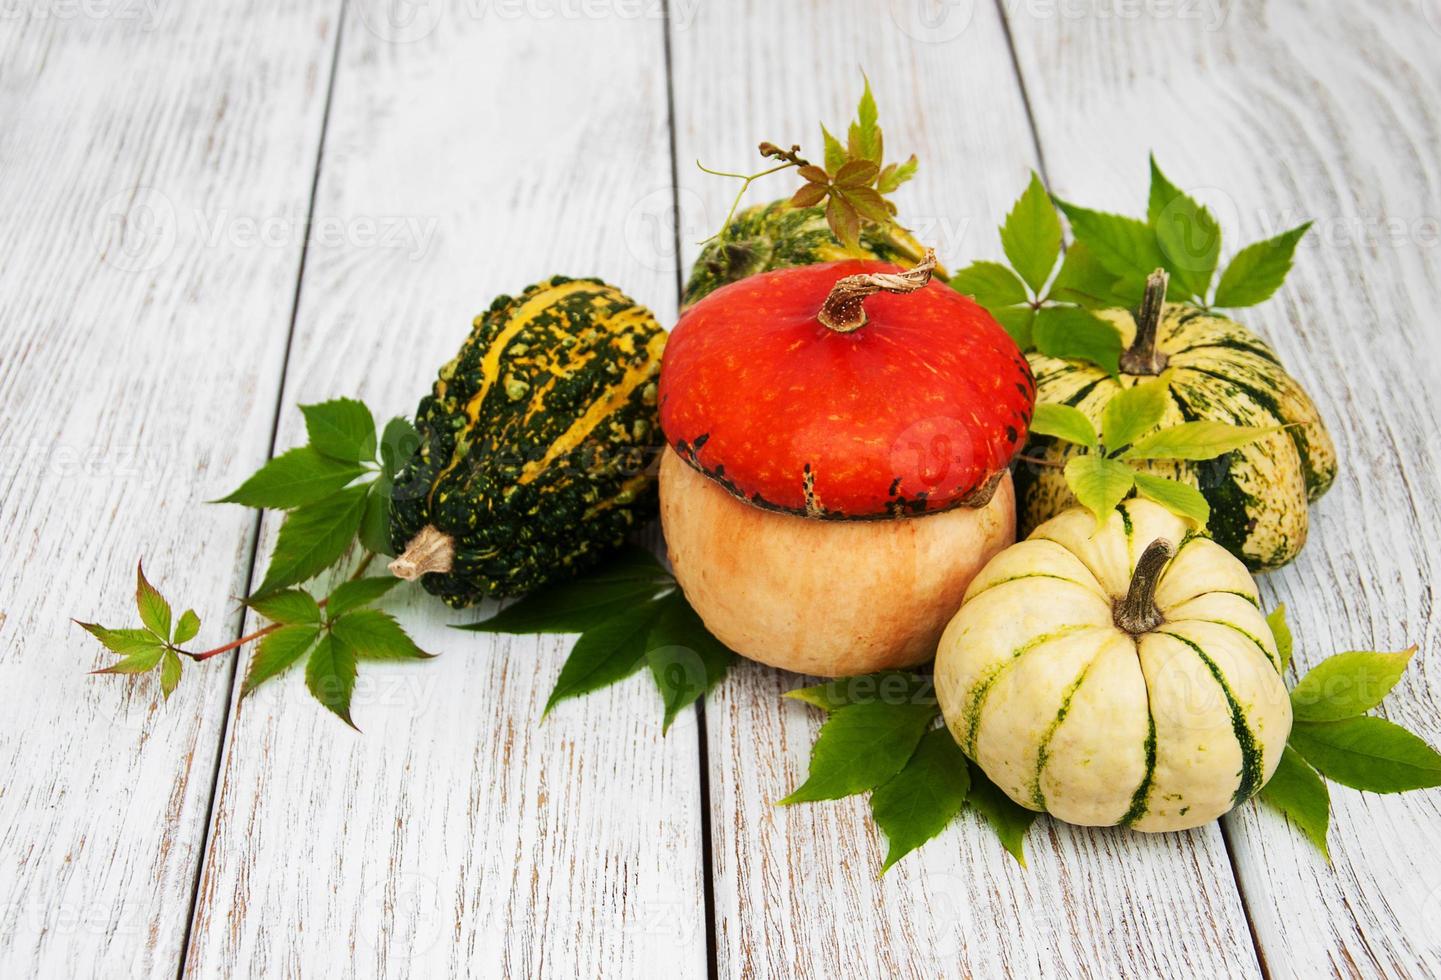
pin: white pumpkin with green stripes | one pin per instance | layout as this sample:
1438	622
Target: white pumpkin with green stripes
1116	675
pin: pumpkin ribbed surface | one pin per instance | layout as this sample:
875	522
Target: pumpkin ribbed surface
536	440
1071	714
778	236
1219	371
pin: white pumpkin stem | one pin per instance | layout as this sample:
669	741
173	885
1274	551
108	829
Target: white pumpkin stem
1142	357
432	550
1137	612
844	310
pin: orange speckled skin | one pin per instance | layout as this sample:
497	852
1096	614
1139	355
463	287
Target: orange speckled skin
920	407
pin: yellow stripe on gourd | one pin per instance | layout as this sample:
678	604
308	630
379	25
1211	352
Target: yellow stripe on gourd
599	410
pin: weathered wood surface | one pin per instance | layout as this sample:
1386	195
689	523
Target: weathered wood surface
142	333
459	835
469	150
1274	114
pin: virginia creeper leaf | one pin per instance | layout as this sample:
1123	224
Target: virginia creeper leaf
293	479
187	627
1031	235
606	653
1074	333
330	675
1064	422
1133	412
574	606
1368	753
375	635
342	429
990	283
1258	270
277	651
169	673
154	610
861	746
1007	818
1179	498
313	538
1196	440
881	687
1347	684
293	607
1300	794
1282	632
1099	484
1187	234
361	592
685	660
916	803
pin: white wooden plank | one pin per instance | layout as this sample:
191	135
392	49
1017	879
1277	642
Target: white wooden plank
795	888
1307	110
459	836
137	362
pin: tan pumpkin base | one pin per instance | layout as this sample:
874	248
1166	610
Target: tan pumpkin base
831	598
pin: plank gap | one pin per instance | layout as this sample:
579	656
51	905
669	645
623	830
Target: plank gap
223	743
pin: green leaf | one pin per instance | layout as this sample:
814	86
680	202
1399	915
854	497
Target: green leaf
375	521
293	479
375	635
313	538
630	577
861	746
293	607
1083	279
1282	632
1124	246
1368	753
1302	796
1196	440
1007	818
1074	333
169	673
276	652
330	675
1347	684
1031	235
1099	483
864	138
187	628
398	446
895	174
154	610
1179	498
605	654
135	663
123	642
1258	270
835	152
868	203
881	687
685	660
916	803
990	283
1132	413
342	429
1187	234
1063	422
1018	322
360	592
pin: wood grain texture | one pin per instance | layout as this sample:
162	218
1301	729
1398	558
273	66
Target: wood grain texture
459	836
795	889
133	140
1273	114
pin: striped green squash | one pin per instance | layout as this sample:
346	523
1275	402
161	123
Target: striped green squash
537	444
777	236
1123	675
1219	371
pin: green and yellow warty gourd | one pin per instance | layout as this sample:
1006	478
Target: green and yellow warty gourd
1120	675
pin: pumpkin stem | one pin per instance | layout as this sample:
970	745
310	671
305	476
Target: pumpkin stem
1137	612
432	550
1142	357
844	310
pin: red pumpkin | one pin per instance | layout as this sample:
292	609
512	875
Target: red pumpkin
913	412
823	398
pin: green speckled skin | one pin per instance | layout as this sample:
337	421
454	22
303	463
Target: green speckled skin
538	442
1220	371
778	236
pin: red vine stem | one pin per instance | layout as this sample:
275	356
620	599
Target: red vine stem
262	633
